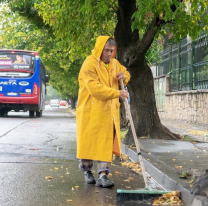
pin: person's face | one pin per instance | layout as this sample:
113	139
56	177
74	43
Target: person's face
107	53
19	58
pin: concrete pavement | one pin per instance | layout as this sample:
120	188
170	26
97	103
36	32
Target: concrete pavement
175	164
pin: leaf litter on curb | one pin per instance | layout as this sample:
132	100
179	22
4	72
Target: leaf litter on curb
172	198
134	166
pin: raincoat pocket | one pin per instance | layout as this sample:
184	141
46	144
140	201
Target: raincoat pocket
98	112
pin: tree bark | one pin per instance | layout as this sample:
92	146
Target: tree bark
73	102
131	53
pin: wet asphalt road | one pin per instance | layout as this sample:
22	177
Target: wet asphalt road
34	149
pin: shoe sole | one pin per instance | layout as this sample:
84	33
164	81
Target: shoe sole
104	186
91	183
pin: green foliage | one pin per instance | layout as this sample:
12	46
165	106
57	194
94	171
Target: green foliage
180	17
64	31
18	33
52	93
77	22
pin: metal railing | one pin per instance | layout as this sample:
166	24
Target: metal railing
187	64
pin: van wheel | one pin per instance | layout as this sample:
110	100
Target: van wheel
1	113
5	113
31	113
39	113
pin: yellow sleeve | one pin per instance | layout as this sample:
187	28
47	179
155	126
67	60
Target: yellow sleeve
93	85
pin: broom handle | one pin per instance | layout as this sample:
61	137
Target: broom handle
135	137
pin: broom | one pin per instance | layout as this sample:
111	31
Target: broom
147	193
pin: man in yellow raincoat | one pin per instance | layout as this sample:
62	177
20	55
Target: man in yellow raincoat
98	124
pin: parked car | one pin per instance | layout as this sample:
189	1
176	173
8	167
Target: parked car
54	103
62	103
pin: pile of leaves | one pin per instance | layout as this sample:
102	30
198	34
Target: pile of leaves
134	166
172	198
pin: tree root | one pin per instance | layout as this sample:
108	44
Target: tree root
162	133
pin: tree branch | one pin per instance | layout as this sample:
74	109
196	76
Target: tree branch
155	25
149	35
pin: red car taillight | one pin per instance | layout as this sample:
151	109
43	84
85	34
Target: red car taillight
35	89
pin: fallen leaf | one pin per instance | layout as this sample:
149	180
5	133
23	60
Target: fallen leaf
173	159
116	172
56	168
72	188
97	191
168	151
76	186
191	160
110	174
63	181
48	178
67	173
149	153
180	167
69	200
128	187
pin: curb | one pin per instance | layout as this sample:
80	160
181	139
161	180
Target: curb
166	181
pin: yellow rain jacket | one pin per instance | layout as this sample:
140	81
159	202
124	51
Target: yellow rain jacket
97	111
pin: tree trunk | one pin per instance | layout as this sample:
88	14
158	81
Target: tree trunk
141	86
73	102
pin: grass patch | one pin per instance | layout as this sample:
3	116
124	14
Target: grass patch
123	133
187	138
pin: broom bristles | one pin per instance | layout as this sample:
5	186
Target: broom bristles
135	195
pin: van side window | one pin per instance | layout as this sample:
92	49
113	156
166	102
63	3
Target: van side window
42	70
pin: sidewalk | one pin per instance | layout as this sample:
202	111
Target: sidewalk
175	164
189	130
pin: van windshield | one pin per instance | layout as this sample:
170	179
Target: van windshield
16	65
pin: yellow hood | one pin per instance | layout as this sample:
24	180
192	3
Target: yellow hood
99	46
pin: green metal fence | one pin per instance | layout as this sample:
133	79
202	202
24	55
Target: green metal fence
187	64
